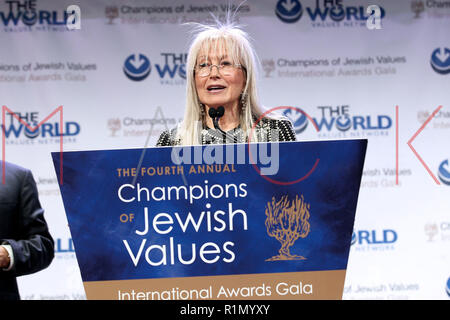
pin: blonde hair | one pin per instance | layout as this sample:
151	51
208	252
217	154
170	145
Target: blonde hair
236	43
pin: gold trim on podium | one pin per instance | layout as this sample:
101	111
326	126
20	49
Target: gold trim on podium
311	285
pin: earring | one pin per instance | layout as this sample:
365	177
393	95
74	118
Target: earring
243	102
202	111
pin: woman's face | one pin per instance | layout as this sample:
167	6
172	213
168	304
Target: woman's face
218	89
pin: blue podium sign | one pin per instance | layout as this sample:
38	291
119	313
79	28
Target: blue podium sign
261	221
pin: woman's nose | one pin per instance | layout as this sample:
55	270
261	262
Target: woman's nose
214	72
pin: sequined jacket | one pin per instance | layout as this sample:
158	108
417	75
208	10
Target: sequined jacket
266	130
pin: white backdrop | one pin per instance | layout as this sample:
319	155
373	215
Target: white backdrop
347	77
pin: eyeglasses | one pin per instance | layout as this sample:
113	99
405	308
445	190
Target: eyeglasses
225	68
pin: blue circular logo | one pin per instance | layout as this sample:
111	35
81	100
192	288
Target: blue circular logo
29	18
353	238
343	123
447	289
137	67
444	172
289	11
31	133
299	119
337	13
440	60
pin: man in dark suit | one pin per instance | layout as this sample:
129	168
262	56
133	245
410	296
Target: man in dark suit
26	245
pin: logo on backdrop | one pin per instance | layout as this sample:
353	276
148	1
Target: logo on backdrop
166	13
440	120
46	71
333	66
417	7
328	13
137	67
114	124
384	176
434	9
47	186
172	71
17	133
299	119
23	16
431	231
338	122
437	231
64	245
269	67
440	60
131	126
374	240
287	221
289	11
111	12
447	288
444	172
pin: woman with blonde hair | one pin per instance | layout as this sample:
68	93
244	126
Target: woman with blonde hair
221	73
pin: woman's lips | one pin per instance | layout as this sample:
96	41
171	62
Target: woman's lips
215	89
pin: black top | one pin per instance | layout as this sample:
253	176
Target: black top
267	130
23	227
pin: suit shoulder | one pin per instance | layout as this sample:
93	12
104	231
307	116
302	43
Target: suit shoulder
15	175
14	169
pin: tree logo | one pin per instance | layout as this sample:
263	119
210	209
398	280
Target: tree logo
287	221
114	124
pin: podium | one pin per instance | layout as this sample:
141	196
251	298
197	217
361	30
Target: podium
242	221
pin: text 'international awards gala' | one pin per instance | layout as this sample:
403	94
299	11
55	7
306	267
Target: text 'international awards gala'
223	159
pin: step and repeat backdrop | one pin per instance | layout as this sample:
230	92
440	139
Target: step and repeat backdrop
116	72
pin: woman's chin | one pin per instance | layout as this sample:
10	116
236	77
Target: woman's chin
217	103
